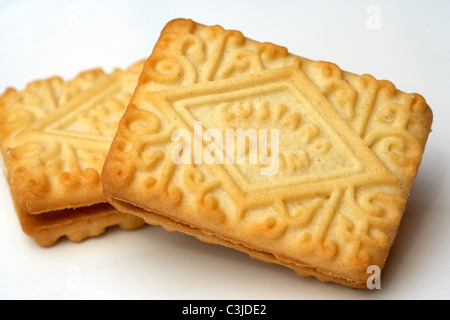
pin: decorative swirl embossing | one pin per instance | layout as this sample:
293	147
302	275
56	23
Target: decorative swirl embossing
140	122
399	146
73	180
329	78
31	161
270	227
273	56
273	222
318	241
303	214
128	144
265	56
206	203
269	223
122	151
182	64
404	114
21	109
161	188
166	194
367	216
239	63
40	151
150	158
189	45
393	114
13	120
32	183
193	48
188	56
219	39
122	172
164	69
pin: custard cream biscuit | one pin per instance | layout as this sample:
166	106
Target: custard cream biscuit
55	136
243	144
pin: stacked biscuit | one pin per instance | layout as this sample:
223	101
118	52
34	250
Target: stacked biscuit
323	196
55	136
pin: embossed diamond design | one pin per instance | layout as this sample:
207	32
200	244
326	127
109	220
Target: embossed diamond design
350	146
318	130
91	118
64	137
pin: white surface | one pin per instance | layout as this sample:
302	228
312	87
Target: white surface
411	48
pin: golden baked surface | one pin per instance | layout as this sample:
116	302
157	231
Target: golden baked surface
349	149
54	138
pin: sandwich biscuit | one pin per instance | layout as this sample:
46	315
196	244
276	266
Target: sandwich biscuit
291	160
55	136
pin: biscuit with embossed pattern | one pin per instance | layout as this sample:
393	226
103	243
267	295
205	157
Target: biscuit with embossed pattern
55	136
349	149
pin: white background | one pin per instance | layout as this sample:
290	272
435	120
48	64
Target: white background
407	43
